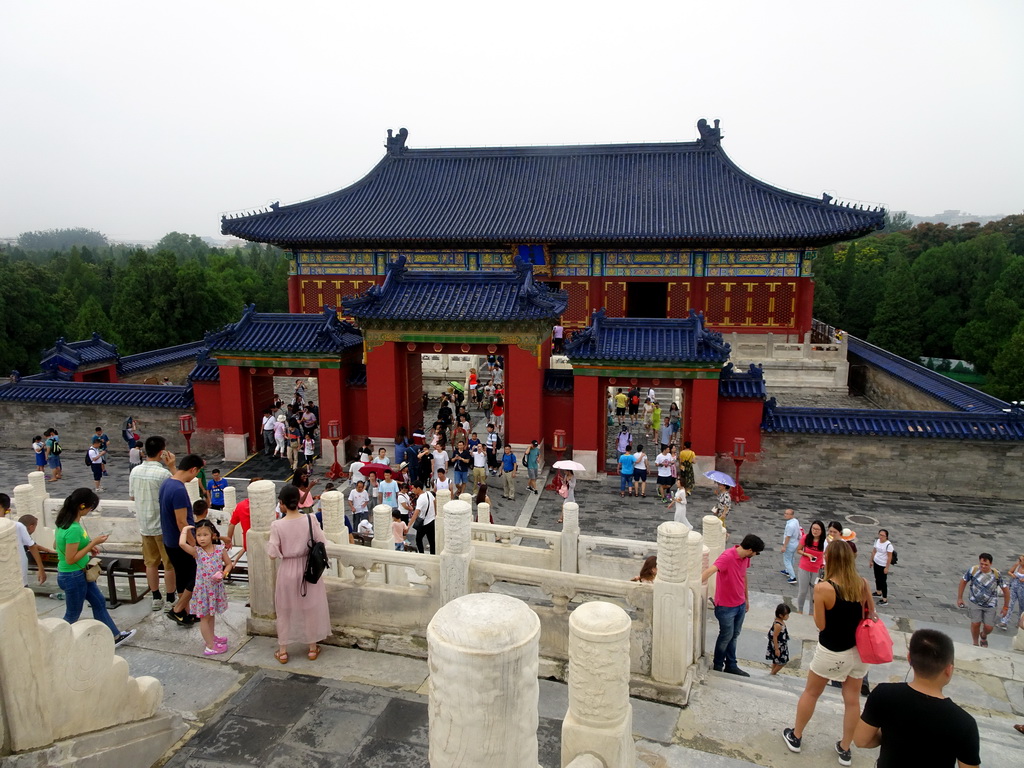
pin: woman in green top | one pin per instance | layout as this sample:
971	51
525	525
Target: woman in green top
74	548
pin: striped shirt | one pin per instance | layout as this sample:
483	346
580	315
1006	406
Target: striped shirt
144	486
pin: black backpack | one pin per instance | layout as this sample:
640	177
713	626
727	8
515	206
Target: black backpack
895	557
316	559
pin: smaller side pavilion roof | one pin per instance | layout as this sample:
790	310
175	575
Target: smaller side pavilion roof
747	384
468	296
156	358
647	340
322	334
97	393
72	355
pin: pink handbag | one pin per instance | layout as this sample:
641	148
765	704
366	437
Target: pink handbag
873	642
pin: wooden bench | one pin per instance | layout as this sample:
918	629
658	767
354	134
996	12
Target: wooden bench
112	564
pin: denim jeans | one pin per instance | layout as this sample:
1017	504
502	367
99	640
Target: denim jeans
730	622
625	482
78	590
787	561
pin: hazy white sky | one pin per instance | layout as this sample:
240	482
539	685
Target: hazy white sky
140	118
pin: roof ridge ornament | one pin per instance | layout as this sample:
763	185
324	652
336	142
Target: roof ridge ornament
709	137
396	144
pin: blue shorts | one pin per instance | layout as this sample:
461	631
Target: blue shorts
461	478
53	461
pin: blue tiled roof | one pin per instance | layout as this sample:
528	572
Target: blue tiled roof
286	333
71	355
558	380
748	384
469	296
647	340
206	368
95	393
145	361
924	424
943	388
665	193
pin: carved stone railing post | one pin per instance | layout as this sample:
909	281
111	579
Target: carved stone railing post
40	493
192	487
570	537
695	560
672	646
262	502
493	640
25	504
714	540
457	552
382	538
223	517
1018	639
483	512
332	508
442	498
599	720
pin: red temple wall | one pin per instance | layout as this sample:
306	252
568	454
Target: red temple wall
738	418
207	404
557	409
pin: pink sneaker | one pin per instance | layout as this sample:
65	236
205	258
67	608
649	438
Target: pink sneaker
215	651
220	640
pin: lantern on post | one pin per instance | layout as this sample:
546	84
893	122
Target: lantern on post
558	446
739	455
187	427
334	435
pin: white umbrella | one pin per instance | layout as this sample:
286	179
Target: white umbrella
719	477
575	466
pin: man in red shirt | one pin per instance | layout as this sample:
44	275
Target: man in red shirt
240	516
731	600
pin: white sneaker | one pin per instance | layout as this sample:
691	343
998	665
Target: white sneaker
158	603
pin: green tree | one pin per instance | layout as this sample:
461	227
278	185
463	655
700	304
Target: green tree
61	239
896	325
1006	381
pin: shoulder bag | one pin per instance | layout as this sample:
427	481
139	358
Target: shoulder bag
873	641
316	559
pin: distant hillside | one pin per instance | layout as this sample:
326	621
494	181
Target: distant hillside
954	217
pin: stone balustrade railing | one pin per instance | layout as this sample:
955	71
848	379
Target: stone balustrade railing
769	346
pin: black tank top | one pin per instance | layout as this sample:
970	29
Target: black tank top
841	622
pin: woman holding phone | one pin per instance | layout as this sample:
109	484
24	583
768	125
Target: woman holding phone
74	548
809	552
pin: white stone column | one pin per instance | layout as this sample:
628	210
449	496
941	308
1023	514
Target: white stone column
230	500
599	720
695	561
570	537
482	652
262	502
672	646
382	537
467	497
192	487
40	493
1018	639
714	540
457	552
483	512
441	499
25	504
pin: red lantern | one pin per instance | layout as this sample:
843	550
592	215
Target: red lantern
334	435
739	455
187	427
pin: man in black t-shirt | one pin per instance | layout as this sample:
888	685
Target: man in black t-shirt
913	722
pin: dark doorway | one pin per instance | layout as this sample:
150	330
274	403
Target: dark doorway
647	299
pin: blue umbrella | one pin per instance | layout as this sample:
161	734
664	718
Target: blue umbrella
719	477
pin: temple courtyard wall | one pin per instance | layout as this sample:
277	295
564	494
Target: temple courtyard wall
889	393
983	469
75	423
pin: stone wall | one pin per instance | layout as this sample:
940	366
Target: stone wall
888	392
20	422
176	372
986	469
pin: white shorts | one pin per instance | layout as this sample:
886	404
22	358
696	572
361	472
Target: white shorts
838	665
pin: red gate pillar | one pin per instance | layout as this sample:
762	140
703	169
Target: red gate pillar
384	392
704	416
235	395
329	384
524	392
587	422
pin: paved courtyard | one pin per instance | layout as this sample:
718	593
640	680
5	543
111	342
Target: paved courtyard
353	708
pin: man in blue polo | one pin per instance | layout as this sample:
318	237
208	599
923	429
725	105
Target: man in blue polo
216	488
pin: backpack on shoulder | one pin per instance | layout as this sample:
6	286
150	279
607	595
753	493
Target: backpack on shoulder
316	559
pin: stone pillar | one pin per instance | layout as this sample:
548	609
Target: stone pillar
25	504
467	497
570	537
483	512
672	646
457	552
192	486
1018	639
332	508
714	540
695	561
494	641
262	502
441	500
38	482
382	538
599	720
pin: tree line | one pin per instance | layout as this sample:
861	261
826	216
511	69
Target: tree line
933	290
139	299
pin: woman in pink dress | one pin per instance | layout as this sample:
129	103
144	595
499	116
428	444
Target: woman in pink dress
300	618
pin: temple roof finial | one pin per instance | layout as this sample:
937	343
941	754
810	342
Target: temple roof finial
396	144
709	137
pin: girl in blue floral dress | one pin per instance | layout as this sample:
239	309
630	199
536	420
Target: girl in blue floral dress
213	564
